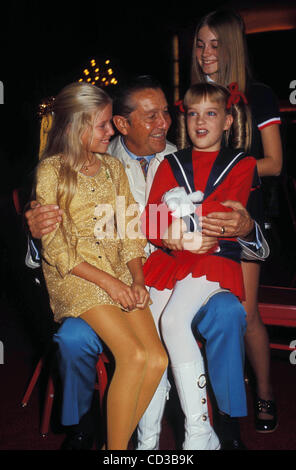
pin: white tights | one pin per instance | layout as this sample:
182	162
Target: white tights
173	312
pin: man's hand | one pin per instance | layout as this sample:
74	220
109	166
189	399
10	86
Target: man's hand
237	223
42	219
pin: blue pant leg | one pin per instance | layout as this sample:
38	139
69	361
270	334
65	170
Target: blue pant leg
222	323
78	350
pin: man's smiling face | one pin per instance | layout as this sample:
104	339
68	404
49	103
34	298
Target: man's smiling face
148	124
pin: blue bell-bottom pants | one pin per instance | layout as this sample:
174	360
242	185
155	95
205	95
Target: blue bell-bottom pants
221	322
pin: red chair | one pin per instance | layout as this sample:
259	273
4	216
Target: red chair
101	385
277	307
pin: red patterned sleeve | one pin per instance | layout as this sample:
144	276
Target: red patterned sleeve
236	187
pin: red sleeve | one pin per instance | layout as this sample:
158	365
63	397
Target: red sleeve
236	187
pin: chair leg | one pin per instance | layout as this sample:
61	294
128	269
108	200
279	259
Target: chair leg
49	397
102	379
32	383
50	391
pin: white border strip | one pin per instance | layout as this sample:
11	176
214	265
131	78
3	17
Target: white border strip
225	169
269	121
183	172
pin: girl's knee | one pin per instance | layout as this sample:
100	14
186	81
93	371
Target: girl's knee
169	323
158	361
161	362
136	356
254	319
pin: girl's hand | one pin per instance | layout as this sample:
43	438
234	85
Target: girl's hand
141	294
121	293
172	237
138	286
197	243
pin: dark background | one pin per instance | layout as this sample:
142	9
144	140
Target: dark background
45	46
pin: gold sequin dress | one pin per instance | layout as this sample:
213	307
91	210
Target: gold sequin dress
103	234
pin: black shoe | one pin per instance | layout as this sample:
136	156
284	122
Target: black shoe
80	436
267	407
233	444
78	441
228	430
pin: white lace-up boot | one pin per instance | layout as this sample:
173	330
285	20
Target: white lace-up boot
149	426
190	381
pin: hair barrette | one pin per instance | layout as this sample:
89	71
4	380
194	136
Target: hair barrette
235	95
179	105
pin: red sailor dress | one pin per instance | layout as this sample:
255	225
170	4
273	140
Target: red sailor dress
163	269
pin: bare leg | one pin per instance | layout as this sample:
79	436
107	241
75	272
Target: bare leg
129	336
256	337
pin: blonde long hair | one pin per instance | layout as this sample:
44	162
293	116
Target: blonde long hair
73	112
240	133
234	66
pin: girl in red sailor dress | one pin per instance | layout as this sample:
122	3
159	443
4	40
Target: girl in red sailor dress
182	280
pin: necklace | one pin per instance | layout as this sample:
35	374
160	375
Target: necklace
86	167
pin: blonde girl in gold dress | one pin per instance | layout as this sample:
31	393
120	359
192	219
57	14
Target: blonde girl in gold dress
93	269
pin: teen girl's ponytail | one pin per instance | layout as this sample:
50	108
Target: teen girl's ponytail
240	133
181	137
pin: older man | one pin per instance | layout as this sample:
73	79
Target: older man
142	118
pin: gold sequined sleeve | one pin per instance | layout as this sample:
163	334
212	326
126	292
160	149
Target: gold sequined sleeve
128	221
55	249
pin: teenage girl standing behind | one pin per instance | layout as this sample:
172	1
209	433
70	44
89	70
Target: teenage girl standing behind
220	55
